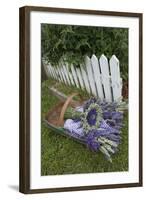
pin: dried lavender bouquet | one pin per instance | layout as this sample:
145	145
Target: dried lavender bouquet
98	124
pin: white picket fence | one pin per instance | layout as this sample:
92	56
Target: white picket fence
99	77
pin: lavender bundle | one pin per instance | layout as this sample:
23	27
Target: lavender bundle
98	124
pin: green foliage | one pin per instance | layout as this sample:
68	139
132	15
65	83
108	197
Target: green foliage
71	43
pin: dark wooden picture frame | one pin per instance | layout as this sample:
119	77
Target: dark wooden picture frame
24	142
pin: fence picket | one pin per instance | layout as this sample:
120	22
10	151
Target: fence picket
105	77
71	78
74	76
80	78
66	73
57	74
63	75
51	70
60	74
97	76
85	79
54	74
90	75
115	78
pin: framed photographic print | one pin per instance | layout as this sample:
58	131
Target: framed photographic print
80	99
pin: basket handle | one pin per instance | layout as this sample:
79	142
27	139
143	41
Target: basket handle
64	108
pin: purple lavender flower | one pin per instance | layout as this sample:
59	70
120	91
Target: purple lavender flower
91	117
92	142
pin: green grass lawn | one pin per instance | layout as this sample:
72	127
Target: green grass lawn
62	155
